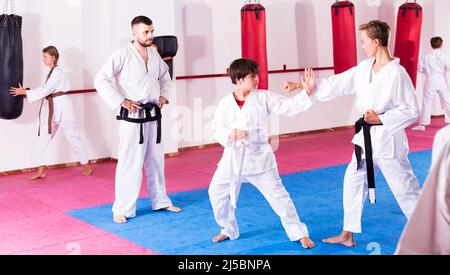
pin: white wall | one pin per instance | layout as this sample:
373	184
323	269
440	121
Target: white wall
86	32
298	35
435	23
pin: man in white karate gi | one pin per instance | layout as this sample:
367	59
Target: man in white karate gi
240	126
386	99
434	65
137	80
428	230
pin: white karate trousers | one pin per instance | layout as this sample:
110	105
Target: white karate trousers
270	185
132	156
400	178
68	126
427	101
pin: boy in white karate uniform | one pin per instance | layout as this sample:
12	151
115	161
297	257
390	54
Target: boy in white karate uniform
434	65
386	99
240	126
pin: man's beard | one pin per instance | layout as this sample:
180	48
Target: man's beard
146	44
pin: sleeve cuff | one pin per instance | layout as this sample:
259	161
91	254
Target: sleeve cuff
116	102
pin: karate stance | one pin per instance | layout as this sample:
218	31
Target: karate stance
58	113
386	99
137	80
240	126
434	65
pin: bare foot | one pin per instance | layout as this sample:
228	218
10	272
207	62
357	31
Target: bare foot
38	175
87	170
219	238
307	243
345	238
172	209
120	219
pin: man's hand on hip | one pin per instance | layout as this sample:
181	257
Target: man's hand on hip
162	101
131	106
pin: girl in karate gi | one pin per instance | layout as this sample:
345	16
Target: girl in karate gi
385	97
240	126
56	84
434	65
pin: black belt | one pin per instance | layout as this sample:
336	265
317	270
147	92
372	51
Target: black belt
147	108
362	124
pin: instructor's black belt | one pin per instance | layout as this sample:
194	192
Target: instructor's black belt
147	108
362	124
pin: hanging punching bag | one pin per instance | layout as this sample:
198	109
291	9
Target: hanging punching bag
253	37
167	47
344	36
11	65
407	38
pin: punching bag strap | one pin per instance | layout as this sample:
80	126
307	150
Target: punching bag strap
256	9
5	12
6	5
346	4
404	8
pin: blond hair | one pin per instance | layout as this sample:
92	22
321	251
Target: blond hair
52	51
377	30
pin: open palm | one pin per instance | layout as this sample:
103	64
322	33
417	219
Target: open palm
308	80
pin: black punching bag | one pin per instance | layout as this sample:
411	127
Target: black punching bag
11	65
167	47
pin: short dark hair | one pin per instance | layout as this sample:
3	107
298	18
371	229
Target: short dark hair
377	30
242	67
141	19
436	42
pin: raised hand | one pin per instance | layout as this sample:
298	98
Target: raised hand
308	80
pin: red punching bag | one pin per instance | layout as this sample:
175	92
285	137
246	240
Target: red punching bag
344	36
407	38
253	37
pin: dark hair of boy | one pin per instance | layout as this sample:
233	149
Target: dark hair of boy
242	67
436	42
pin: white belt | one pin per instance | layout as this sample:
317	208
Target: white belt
236	178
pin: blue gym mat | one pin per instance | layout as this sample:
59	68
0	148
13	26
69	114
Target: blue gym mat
317	195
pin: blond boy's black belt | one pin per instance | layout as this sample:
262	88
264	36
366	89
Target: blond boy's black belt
362	124
146	108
